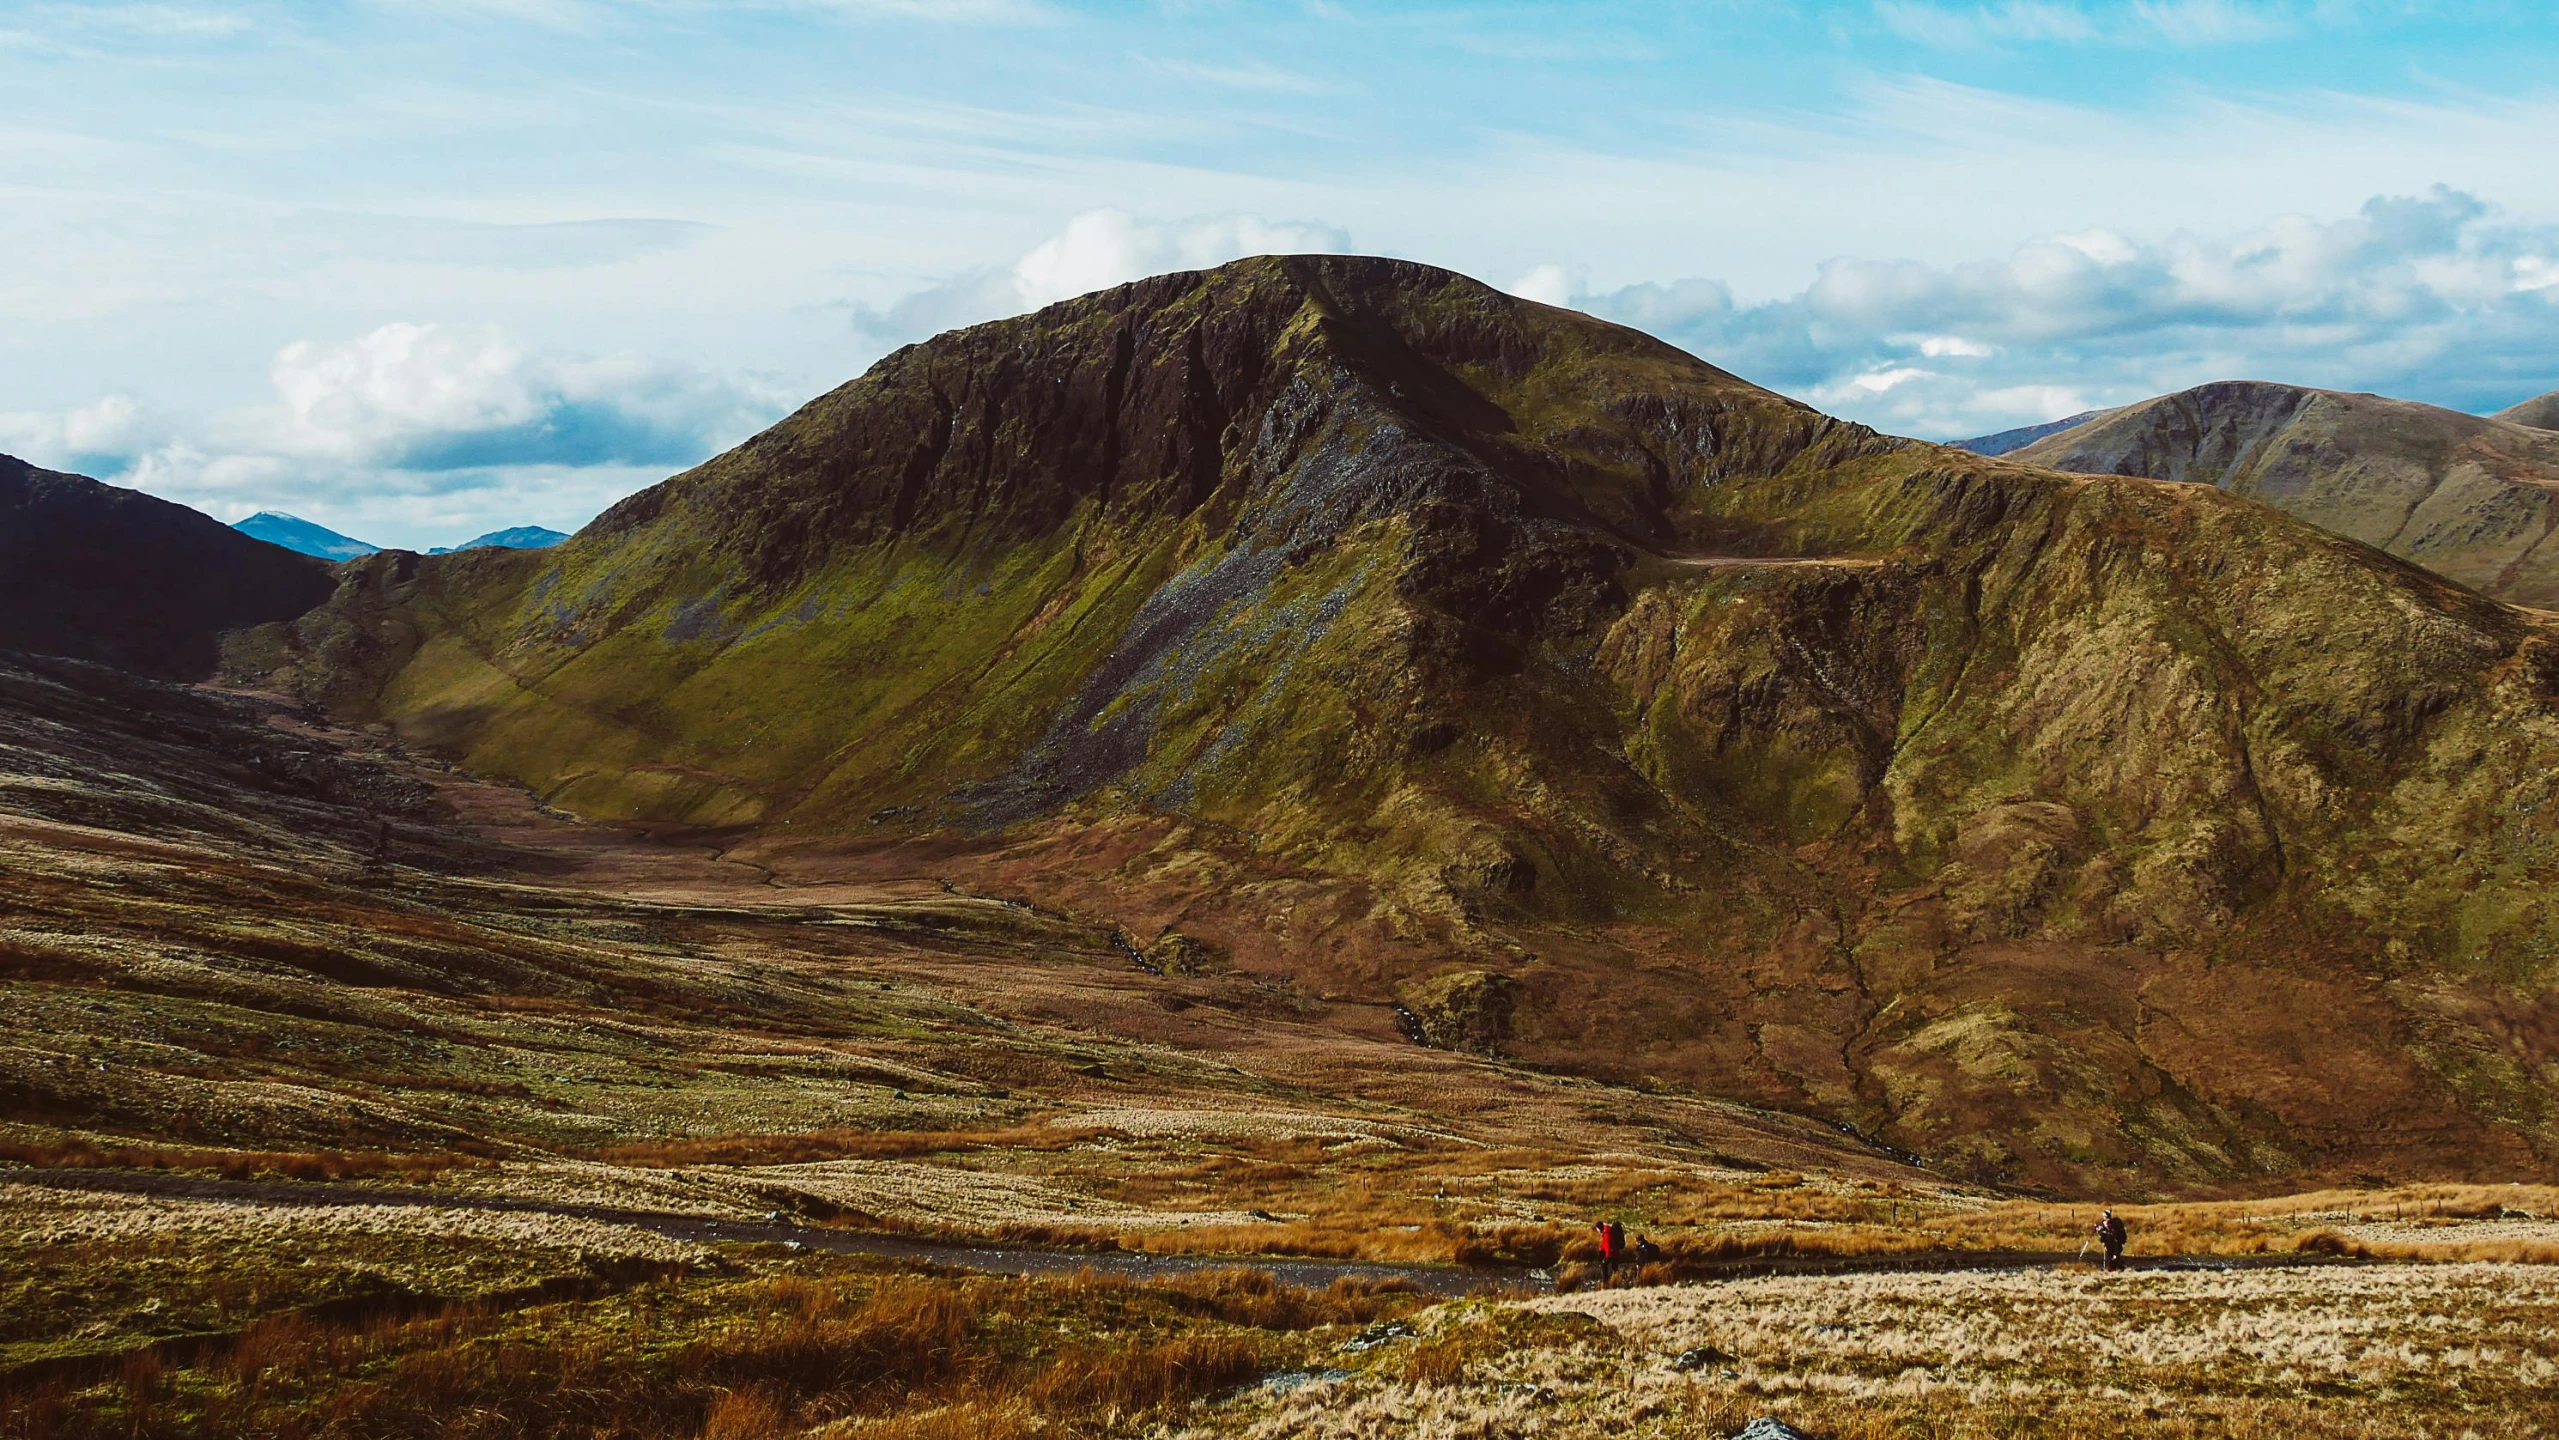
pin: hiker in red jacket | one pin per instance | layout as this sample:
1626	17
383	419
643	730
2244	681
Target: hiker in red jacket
1612	1244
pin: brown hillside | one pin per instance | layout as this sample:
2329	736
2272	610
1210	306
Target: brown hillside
2471	498
2540	412
1375	635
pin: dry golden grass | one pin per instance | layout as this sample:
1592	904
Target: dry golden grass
831	1145
73	1152
860	1355
2295	1352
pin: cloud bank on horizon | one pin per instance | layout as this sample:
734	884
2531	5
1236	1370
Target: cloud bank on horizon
419	272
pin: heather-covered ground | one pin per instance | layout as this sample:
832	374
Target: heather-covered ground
464	1090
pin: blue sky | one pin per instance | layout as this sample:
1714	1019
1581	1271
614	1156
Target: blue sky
421	268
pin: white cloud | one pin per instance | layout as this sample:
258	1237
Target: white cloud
107	429
1102	248
435	398
1546	284
1876	382
388	428
2434	293
1097	250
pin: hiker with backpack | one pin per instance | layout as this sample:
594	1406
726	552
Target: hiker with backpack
2111	1234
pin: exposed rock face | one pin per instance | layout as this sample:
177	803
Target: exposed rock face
101	573
1175	953
1468	1010
1375	626
2475	499
2540	412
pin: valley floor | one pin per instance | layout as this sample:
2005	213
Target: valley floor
343	1095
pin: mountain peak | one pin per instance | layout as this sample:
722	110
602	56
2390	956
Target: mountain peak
2467	496
2541	412
1184	396
1387	631
303	537
516	537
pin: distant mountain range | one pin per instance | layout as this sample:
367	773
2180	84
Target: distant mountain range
2023	435
303	537
2473	498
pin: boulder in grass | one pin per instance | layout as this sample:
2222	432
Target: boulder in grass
1769	1427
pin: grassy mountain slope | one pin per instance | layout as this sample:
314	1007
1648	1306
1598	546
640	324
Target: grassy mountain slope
2471	498
1395	638
2540	412
102	573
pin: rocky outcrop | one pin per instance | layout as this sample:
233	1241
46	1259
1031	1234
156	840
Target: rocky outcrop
2470	498
1465	1010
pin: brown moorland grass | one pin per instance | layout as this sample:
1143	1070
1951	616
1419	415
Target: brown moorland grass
81	1153
878	1355
2289	1352
821	1145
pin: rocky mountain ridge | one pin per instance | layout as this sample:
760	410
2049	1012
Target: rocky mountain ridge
1387	636
2470	497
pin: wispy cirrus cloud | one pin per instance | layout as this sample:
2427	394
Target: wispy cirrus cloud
1253	76
2063	22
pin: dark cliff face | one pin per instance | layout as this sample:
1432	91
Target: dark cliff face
1381	629
2470	498
101	573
